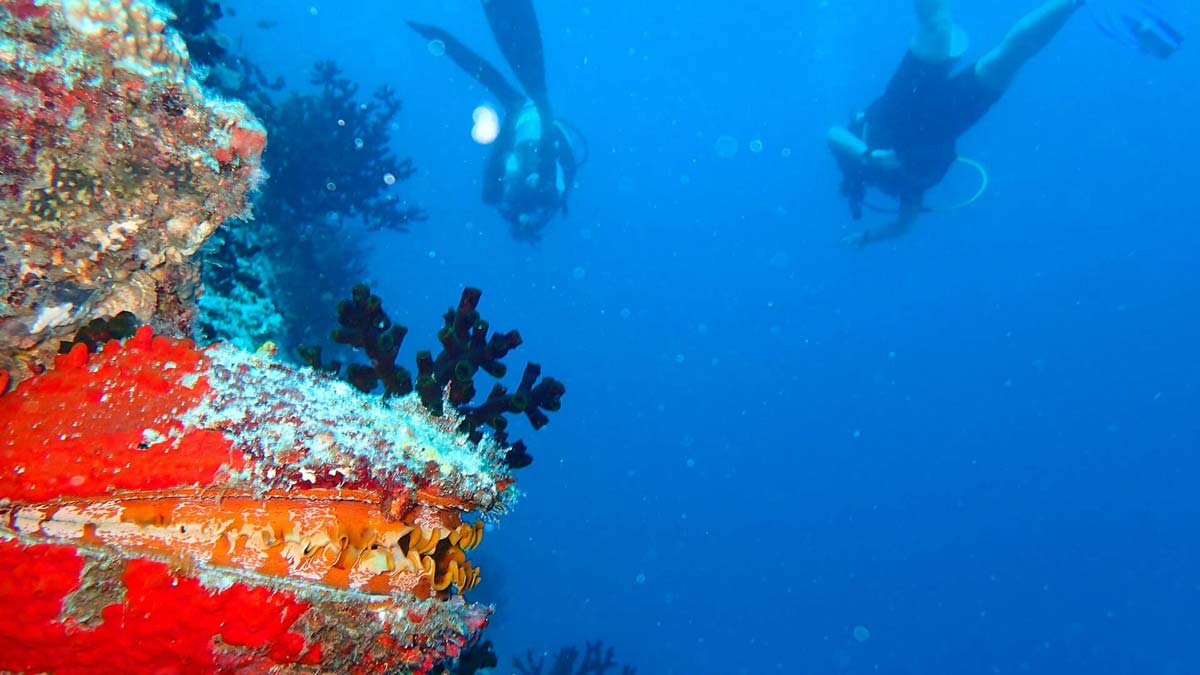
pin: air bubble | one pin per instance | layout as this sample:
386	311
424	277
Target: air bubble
436	47
487	125
726	147
389	179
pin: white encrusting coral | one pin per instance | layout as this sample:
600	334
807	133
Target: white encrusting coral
309	428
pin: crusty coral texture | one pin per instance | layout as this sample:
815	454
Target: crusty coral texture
170	509
115	165
135	31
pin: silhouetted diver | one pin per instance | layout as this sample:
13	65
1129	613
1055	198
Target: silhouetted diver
532	166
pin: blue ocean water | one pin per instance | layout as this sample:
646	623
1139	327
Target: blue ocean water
978	443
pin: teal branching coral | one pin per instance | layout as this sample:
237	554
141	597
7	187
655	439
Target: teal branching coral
596	661
334	156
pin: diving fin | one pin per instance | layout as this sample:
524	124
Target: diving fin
515	27
474	65
1140	25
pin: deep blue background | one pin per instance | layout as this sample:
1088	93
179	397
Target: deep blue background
979	442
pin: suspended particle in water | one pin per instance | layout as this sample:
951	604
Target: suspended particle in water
487	125
756	145
785	153
726	146
861	634
625	313
436	47
680	358
331	186
579	273
640	578
358	144
341	123
389	179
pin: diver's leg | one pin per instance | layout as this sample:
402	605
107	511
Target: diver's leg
474	65
1034	31
935	40
515	26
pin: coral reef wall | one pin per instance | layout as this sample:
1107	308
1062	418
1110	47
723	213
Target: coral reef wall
264	279
313	218
115	166
181	510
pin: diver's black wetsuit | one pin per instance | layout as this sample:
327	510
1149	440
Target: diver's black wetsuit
924	110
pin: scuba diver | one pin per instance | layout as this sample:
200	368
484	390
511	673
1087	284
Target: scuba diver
905	142
532	166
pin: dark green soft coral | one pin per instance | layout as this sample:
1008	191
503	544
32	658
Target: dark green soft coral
448	376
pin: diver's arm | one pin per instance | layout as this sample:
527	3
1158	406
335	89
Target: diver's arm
853	153
847	148
566	157
493	171
910	210
493	178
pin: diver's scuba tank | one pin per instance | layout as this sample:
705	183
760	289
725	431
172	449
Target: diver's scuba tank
528	127
522	163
